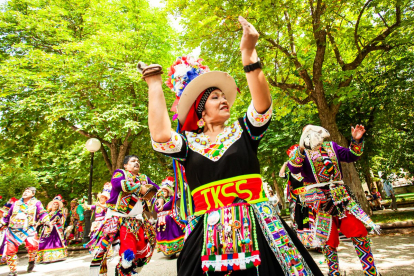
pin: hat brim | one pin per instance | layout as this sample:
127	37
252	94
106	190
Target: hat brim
219	79
107	195
49	206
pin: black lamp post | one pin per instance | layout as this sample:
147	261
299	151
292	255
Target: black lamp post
92	145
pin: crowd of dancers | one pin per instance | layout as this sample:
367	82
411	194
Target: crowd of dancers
214	211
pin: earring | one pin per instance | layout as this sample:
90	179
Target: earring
201	123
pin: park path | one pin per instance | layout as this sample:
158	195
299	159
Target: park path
394	256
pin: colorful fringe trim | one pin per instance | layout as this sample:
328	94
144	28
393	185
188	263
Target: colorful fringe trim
230	240
279	241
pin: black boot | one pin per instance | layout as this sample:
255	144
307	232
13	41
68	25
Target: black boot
12	274
31	266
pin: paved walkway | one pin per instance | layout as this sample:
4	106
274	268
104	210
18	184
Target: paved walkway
394	256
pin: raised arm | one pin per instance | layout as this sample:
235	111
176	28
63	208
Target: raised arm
158	120
282	170
258	86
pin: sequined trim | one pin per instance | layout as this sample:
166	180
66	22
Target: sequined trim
257	119
172	146
200	143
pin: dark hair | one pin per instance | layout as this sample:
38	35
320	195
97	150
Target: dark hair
126	159
366	192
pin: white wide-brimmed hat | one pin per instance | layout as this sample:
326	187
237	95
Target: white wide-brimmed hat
106	192
58	200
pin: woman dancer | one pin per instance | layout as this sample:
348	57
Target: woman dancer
232	228
100	211
170	235
52	244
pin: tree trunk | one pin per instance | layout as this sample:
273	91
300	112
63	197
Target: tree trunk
380	189
368	178
279	191
349	172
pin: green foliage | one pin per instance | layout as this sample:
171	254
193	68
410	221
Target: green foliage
385	106
69	66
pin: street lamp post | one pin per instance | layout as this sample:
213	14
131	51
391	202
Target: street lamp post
92	145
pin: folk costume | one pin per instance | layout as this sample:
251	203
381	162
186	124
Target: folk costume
332	201
5	211
52	244
99	211
170	231
231	226
21	220
76	222
301	215
126	222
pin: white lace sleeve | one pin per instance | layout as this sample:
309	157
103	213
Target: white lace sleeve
174	145
256	119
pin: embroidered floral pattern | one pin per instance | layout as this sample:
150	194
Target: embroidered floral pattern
356	148
257	119
170	247
172	146
214	151
297	158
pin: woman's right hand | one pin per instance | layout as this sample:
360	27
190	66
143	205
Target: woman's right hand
250	36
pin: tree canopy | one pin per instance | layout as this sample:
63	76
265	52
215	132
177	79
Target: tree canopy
68	73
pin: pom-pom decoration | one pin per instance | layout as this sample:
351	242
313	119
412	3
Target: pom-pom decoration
127	258
291	149
181	73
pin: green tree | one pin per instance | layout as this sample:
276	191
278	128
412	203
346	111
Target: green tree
67	73
312	49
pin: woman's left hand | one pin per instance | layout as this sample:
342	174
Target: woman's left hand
250	36
357	132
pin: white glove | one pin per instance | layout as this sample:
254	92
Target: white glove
312	137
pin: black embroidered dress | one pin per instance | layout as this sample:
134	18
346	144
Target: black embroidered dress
233	154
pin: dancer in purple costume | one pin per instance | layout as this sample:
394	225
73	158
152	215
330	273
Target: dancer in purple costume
100	212
52	245
336	208
132	193
21	221
170	235
99	208
4	212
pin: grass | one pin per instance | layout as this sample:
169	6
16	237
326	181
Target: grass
393	217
